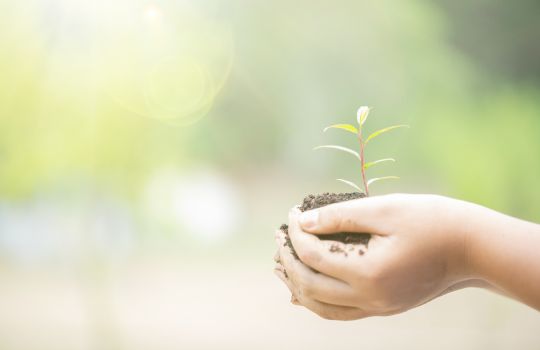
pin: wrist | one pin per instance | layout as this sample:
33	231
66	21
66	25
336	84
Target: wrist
495	242
461	231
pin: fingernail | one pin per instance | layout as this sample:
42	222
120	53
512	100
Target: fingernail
309	219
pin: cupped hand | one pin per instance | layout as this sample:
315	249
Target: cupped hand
418	250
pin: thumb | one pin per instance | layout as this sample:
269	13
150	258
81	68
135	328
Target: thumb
361	215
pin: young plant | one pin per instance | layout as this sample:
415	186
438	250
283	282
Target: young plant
361	118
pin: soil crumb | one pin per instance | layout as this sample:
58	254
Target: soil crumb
335	248
285	229
320	200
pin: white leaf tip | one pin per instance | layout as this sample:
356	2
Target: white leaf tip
361	115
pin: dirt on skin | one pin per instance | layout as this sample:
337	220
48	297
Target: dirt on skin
321	200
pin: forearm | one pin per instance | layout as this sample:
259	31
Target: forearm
505	252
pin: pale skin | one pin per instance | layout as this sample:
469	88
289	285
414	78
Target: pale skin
422	247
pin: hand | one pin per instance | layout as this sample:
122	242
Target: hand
419	250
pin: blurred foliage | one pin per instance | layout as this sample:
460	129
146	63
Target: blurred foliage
109	91
499	36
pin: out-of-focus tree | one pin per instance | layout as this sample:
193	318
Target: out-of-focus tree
501	36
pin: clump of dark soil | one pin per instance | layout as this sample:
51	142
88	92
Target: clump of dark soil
321	200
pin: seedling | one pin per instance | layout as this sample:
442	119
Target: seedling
361	118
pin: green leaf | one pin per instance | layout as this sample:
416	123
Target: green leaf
347	127
339	148
361	115
381	178
382	131
352	184
370	164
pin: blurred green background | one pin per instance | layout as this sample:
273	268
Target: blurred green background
148	149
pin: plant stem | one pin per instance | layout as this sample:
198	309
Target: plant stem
363	161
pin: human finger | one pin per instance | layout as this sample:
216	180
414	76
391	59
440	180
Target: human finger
320	255
360	215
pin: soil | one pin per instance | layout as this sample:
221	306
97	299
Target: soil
351	240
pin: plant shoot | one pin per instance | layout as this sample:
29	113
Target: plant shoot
361	118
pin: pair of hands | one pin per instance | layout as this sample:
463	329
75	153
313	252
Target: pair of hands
422	246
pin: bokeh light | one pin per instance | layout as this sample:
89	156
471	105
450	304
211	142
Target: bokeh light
199	202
